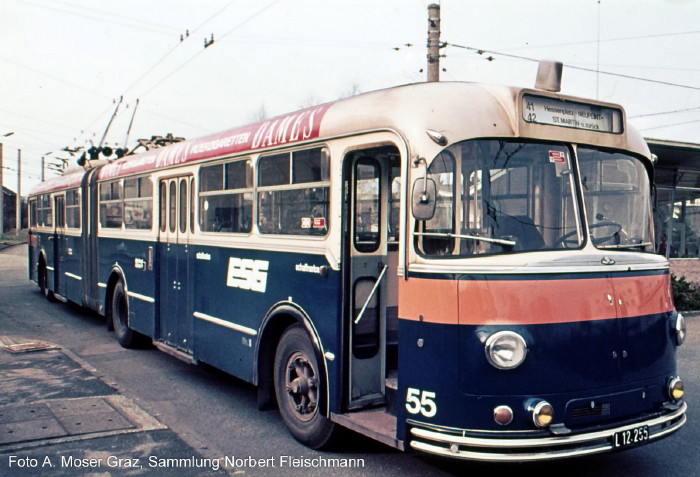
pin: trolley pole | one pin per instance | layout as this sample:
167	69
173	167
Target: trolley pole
433	42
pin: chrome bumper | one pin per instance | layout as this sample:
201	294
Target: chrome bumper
456	444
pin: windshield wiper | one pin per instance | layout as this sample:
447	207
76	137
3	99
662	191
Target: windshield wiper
624	246
508	243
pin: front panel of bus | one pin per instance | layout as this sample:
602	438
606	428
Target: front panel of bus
537	322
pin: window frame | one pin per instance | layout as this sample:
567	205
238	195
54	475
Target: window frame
269	192
73	206
246	193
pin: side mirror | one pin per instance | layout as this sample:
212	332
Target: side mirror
424	198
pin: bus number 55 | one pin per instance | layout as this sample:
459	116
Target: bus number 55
418	401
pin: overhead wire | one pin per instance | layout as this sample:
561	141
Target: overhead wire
162	59
664	112
239	25
481	51
97	18
603	40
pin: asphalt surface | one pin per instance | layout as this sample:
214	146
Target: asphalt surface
60	416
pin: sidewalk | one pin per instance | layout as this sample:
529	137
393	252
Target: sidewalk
58	419
11	239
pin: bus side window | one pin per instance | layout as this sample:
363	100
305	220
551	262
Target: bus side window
226	197
163	207
172	207
111	206
294	193
367	206
394	202
73	209
138	203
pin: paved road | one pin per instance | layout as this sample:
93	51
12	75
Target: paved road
172	410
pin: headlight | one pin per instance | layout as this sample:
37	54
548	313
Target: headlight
505	349
675	388
679	327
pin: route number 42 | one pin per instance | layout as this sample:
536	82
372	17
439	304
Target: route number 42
418	401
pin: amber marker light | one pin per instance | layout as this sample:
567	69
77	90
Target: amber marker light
675	388
542	414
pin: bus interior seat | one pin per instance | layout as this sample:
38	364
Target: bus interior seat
523	230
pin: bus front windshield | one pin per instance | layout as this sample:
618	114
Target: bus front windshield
501	197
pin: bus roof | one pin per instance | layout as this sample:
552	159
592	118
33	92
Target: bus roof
68	180
456	110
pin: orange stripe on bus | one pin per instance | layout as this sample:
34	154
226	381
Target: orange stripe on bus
493	301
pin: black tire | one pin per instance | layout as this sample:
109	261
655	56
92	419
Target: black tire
44	283
119	312
300	388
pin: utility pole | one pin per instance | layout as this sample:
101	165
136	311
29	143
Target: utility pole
2	197
18	210
433	42
43	161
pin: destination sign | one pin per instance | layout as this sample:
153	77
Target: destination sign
571	114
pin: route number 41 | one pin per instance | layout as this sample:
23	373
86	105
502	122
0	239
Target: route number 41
418	401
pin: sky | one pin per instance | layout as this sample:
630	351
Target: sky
65	64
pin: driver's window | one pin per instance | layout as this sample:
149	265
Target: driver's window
501	197
616	197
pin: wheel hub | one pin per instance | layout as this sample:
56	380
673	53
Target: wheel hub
302	384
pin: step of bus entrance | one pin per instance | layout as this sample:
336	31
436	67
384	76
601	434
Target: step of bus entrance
391	384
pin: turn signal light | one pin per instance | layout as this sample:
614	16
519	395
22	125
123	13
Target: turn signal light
542	414
675	388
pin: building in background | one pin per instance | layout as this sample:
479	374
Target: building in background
9	213
677	205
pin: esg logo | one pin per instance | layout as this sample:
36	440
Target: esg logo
247	274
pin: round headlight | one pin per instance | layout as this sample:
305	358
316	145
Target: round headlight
506	349
679	327
675	388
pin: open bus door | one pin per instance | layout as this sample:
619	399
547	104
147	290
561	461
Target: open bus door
372	254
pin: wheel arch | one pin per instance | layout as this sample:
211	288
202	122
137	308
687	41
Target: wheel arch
40	263
280	317
115	275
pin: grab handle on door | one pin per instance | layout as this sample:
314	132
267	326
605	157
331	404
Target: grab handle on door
371	294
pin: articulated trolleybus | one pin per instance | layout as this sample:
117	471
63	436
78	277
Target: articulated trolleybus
450	268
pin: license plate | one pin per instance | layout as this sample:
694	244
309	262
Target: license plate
630	437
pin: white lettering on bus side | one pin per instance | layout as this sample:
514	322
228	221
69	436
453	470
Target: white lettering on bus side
308	130
296	126
291	128
247	274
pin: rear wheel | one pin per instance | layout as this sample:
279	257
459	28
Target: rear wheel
300	389
44	282
126	337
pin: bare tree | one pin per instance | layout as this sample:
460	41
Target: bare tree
259	115
310	101
352	90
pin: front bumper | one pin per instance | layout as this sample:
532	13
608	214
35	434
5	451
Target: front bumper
465	444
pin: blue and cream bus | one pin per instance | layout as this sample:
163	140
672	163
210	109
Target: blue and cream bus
450	268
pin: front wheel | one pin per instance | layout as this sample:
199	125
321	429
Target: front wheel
126	337
300	389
